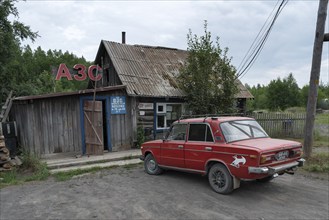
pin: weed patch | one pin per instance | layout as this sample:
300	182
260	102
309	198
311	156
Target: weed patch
32	169
318	162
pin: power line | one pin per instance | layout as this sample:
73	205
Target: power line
253	43
260	42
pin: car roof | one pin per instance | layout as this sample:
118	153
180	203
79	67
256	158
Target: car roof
212	119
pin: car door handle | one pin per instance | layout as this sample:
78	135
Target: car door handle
208	148
180	146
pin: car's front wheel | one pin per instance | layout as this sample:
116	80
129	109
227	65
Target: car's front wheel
220	179
151	166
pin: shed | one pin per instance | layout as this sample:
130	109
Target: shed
57	123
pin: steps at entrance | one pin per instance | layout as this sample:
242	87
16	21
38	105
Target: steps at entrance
64	163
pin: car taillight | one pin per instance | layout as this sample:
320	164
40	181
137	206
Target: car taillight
265	158
296	153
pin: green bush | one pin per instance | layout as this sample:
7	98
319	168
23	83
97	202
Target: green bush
140	136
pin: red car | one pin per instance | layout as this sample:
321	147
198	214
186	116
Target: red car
227	149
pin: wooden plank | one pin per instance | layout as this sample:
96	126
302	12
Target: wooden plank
44	128
93	127
50	128
59	115
55	126
71	128
65	109
76	129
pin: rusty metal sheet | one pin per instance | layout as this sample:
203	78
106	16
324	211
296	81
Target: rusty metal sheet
151	71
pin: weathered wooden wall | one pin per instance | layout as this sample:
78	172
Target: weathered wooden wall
122	126
52	125
48	126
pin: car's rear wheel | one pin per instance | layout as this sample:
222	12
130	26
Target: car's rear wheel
220	179
151	166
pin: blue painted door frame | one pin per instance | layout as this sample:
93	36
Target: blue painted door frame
107	115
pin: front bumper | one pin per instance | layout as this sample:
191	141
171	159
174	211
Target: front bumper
276	169
141	157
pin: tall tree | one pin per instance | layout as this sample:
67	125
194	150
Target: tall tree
11	33
282	94
208	77
23	70
259	100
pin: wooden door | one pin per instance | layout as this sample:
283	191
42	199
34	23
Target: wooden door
93	122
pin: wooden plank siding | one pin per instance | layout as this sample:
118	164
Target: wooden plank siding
48	126
121	126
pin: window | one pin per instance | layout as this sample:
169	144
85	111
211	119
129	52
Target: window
167	113
200	132
177	132
242	130
161	108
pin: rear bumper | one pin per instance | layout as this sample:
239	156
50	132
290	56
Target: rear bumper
276	169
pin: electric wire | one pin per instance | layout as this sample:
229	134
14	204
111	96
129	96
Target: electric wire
260	42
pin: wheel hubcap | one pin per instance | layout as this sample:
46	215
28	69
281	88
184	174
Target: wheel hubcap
219	179
151	165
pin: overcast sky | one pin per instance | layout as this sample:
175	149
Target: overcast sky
79	26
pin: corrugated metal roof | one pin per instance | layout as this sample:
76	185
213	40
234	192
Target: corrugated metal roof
151	71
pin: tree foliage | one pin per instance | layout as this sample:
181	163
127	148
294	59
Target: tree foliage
285	93
23	70
208	77
282	94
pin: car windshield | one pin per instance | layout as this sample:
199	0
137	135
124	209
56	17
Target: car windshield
242	130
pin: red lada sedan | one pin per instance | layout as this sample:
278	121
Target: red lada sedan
226	149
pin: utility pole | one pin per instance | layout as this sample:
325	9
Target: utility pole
315	75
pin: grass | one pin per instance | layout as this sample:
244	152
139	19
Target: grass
32	169
322	119
318	162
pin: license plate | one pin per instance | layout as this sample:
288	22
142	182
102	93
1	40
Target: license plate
282	155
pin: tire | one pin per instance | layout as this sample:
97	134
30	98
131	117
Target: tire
220	179
151	166
266	179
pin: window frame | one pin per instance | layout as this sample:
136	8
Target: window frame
164	113
205	135
172	126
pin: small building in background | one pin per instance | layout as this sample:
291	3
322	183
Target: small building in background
137	89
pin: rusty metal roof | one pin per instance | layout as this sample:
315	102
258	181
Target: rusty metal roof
151	71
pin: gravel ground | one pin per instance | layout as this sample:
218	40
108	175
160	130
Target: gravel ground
130	193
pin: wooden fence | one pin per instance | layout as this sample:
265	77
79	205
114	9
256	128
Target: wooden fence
279	125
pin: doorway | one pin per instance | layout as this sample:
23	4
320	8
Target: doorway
95	126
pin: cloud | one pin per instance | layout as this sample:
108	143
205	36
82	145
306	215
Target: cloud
79	26
73	33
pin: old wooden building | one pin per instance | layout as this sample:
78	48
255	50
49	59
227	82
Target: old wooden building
137	88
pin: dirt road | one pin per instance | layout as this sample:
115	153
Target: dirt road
122	193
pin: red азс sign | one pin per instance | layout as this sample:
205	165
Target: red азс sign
63	71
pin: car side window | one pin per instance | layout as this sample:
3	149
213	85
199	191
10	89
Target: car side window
177	132
200	132
209	135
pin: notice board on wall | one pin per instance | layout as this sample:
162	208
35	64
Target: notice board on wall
118	105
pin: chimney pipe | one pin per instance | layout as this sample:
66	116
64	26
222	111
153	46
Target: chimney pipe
123	37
